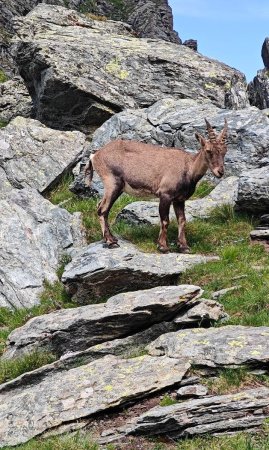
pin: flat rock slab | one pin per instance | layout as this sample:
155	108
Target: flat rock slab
98	68
145	212
227	346
35	156
253	190
80	328
14	100
246	410
64	397
99	272
34	236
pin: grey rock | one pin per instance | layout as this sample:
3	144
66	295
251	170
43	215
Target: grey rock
203	312
259	234
218	294
79	328
35	156
172	123
195	390
98	68
253	190
98	272
14	100
265	52
259	90
34	236
67	396
144	212
242	411
227	346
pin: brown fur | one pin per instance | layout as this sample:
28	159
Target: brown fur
168	173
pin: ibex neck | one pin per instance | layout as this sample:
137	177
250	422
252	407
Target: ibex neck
200	166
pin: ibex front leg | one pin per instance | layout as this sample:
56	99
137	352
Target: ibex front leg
164	208
113	189
179	208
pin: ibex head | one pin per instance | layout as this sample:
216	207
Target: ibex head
215	148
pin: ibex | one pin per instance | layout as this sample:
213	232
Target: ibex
168	173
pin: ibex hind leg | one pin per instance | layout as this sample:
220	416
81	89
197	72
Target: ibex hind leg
179	208
113	190
164	208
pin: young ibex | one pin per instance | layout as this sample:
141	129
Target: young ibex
168	173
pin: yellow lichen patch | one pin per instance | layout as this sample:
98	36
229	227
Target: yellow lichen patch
197	331
209	86
181	335
108	388
114	67
236	344
204	342
255	353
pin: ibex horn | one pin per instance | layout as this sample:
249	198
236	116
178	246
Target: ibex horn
223	135
211	133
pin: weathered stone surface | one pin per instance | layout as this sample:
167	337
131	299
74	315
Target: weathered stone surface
253	190
79	328
218	294
227	346
98	68
265	52
98	271
14	100
34	236
172	123
246	410
203	312
64	397
35	156
259	90
260	234
194	390
143	212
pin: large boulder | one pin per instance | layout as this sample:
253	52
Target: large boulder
65	397
253	190
35	156
79	71
173	123
144	212
259	90
227	346
34	236
98	271
14	100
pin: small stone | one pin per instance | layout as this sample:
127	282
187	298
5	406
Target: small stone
195	390
218	294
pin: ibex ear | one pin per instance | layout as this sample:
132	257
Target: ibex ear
200	139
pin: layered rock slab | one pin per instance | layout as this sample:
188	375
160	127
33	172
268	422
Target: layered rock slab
34	236
98	272
147	213
35	156
28	411
14	100
253	190
227	346
98	68
71	330
246	410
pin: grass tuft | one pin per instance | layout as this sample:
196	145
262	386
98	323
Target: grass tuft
167	401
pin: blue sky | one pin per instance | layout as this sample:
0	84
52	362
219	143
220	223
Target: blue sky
231	31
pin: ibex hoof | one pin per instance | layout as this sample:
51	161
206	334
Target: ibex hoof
163	249
184	249
111	244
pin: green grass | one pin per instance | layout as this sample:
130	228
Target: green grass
10	369
167	401
238	442
67	442
231	380
3	76
203	188
3	123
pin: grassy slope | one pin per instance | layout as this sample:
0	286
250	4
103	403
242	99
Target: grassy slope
225	234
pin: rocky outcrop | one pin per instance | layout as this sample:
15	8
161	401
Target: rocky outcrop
35	156
77	329
228	346
246	410
90	67
98	272
67	396
14	100
253	190
144	212
34	236
173	123
259	89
